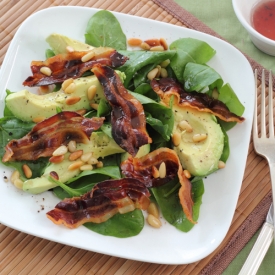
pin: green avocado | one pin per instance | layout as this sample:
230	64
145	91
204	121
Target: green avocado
100	145
200	158
59	44
27	106
143	150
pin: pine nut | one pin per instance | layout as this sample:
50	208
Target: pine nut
145	46
133	42
99	164
62	150
91	92
165	63
66	83
88	56
152	42
76	165
221	164
199	137
163	72
81	112
46	71
187	174
69	49
70	88
152	74
176	138
157	49
27	171
18	183
56	159
155	172
94	106
185	126
75	155
163	43
15	175
54	175
86	157
153	221
162	170
86	167
72	146
38	119
72	100
92	160
153	210
159	69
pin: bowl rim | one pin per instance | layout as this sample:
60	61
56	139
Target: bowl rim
248	27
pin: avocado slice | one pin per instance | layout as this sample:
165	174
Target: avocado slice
27	106
100	145
143	150
200	158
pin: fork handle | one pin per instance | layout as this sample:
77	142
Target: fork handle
258	251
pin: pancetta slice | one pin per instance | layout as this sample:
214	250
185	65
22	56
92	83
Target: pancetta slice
127	116
69	65
100	204
143	170
168	87
49	134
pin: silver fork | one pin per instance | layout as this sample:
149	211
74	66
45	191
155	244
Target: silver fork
264	145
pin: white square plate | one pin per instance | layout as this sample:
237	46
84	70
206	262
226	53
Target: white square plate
167	245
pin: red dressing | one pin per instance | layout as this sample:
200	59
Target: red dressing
263	19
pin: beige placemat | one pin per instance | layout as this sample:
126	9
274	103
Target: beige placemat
24	254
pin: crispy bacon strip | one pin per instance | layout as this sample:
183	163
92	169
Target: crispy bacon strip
69	65
142	169
167	87
49	134
127	117
101	203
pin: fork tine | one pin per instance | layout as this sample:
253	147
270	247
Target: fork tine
263	131
255	122
270	106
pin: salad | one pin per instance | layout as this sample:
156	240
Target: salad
181	73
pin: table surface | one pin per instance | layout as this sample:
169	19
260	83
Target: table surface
21	253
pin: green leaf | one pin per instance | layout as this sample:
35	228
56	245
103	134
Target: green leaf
104	30
104	108
189	50
49	53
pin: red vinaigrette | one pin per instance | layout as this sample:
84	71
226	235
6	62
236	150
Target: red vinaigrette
263	19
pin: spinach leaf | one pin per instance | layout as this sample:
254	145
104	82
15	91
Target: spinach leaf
104	30
189	50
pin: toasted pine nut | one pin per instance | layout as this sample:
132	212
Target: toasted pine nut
66	83
86	157
54	175
72	100
165	63
152	74
159	69
221	164
153	210
27	171
163	72
155	172
162	170
163	43
75	155
88	56
18	183
56	159
145	46
15	175
46	71
38	119
94	106
75	165
185	126
69	49
187	174
99	164
81	112
86	167
72	146
61	150
153	221
91	92
157	49
70	88
152	42
133	42
92	160
176	138
199	137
